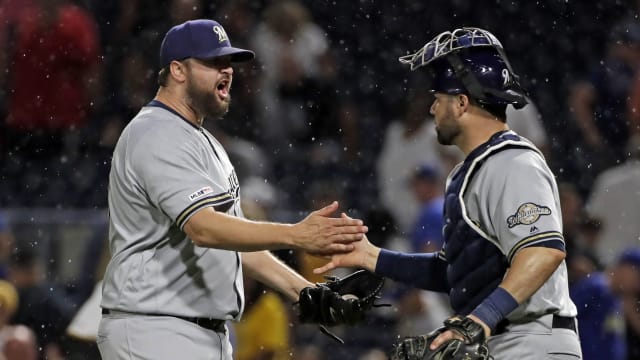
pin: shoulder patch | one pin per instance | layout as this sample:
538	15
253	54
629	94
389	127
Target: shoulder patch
527	214
200	193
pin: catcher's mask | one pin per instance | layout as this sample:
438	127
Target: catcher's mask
469	61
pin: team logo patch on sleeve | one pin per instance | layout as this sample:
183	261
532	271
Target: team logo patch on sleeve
527	214
200	193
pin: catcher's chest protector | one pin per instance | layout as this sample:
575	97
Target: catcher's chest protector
476	264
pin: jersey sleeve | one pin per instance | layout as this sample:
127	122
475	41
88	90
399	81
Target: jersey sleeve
175	177
514	199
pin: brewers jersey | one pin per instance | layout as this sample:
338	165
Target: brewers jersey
511	199
164	170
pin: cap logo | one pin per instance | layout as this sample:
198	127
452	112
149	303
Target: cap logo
506	77
222	35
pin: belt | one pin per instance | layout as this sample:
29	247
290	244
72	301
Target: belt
207	323
559	322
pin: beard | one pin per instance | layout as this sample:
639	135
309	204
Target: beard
446	136
206	102
448	130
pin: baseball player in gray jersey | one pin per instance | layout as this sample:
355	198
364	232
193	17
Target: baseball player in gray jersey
176	226
502	263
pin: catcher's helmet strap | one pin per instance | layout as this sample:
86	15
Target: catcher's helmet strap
479	92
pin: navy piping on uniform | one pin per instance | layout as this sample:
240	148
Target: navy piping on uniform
551	239
156	103
239	298
473	168
215	201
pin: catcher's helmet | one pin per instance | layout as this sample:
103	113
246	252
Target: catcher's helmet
469	61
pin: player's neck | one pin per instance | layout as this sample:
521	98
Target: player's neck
477	132
173	100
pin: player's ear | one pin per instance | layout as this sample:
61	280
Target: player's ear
463	100
462	103
178	71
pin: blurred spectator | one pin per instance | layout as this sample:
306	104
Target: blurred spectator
43	306
615	200
55	86
82	332
10	12
17	342
308	352
290	48
630	289
53	92
428	189
248	158
239	19
599	105
262	307
579	232
296	101
599	298
528	123
571	205
7	242
421	311
9	301
20	344
633	110
408	143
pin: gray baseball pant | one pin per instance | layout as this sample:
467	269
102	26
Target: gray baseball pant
125	336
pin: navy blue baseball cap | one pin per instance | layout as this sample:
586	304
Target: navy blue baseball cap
426	171
200	39
630	256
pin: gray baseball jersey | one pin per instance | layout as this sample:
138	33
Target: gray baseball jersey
515	206
164	170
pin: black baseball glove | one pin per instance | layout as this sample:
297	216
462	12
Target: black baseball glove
473	347
340	300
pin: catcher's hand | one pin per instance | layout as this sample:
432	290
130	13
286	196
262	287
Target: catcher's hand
473	347
340	301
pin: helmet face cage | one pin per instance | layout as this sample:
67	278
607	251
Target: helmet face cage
452	47
448	42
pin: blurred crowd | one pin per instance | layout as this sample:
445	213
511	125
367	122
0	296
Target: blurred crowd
325	112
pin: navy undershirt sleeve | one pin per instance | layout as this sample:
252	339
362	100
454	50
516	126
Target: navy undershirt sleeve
422	270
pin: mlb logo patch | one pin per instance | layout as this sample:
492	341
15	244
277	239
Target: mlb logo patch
200	193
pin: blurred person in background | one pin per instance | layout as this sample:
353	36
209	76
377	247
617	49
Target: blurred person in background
54	91
426	184
17	342
43	307
528	123
291	46
629	273
615	200
578	230
21	344
240	19
602	299
599	103
420	311
296	101
7	241
409	143
263	308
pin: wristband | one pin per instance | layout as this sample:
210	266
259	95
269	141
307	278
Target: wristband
495	307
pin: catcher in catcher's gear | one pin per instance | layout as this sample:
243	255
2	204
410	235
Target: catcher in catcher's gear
502	261
340	300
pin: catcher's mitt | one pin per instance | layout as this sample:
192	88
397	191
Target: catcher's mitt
473	347
340	300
